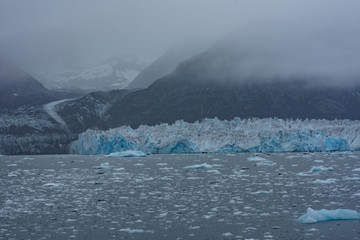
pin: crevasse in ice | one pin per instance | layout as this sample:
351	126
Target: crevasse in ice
214	135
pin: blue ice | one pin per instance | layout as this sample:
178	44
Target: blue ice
313	216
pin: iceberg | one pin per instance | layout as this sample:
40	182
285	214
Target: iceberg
127	153
222	136
313	216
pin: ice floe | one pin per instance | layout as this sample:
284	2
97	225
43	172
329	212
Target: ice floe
313	216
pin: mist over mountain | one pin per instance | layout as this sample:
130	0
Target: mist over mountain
165	64
114	73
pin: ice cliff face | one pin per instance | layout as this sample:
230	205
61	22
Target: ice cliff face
237	135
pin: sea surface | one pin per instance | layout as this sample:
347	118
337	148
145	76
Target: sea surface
203	196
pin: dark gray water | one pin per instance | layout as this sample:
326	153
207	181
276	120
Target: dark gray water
94	197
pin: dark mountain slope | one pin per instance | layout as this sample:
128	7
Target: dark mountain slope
218	83
164	65
89	111
18	88
173	98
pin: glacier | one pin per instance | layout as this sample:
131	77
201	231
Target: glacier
223	136
313	216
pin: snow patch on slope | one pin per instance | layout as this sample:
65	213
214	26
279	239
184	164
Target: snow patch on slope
50	109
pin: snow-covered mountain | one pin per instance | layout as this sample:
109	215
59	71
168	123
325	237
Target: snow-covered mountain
114	73
237	135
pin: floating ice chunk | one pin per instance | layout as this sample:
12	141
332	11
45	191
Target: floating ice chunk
13	174
262	192
266	164
327	181
313	216
28	158
105	165
257	159
319	161
302	174
352	178
12	165
127	153
129	230
213	171
228	234
356	170
52	184
202	166
320	169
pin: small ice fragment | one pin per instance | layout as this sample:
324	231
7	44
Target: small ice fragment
228	234
313	216
326	181
202	166
262	192
256	159
320	168
129	230
352	178
127	153
266	164
302	174
356	170
105	165
12	165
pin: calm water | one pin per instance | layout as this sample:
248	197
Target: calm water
94	197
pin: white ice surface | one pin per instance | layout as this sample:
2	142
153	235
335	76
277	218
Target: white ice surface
127	153
202	166
237	135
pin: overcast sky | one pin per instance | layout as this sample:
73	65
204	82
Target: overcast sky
47	31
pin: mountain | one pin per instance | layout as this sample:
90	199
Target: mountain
22	100
202	88
16	85
114	73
